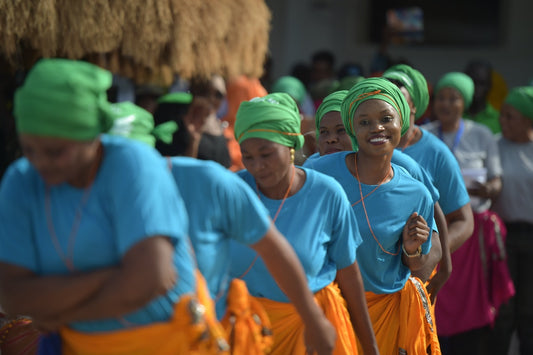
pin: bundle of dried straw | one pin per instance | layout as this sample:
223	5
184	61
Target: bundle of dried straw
145	40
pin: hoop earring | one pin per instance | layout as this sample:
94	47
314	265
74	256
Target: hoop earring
292	155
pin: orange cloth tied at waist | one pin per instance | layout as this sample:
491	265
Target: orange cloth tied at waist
192	330
288	329
403	320
246	322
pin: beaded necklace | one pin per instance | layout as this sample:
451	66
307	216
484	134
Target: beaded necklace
68	256
364	207
275	216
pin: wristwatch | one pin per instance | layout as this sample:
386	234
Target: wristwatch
417	253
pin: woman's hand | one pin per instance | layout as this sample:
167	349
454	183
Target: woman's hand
415	233
320	336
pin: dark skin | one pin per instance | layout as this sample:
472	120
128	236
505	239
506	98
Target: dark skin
146	270
411	137
377	128
272	168
449	106
332	137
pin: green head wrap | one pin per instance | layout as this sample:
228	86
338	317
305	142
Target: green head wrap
521	98
332	102
373	89
414	82
460	82
132	121
292	86
274	117
176	98
64	98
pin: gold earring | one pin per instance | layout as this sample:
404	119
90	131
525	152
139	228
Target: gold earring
292	155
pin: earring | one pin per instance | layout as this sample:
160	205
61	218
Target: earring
292	155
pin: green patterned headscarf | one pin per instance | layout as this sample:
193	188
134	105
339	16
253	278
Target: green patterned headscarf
460	82
132	121
332	102
64	98
274	117
521	98
373	89
292	86
414	82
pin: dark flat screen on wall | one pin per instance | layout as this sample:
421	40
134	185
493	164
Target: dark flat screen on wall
451	22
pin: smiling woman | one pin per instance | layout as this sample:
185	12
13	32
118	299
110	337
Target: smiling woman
394	214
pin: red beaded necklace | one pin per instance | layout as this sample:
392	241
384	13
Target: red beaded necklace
68	256
275	216
362	200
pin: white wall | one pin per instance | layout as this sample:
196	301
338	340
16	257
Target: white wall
300	27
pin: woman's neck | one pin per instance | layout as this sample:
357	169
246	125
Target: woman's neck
287	186
452	126
87	173
410	137
371	170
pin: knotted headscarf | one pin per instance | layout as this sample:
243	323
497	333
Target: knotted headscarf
460	82
332	102
274	117
132	121
414	82
521	98
373	89
292	86
64	98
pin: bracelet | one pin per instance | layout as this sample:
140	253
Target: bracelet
417	253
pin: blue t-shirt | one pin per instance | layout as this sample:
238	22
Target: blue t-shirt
406	162
221	207
319	224
388	208
435	156
417	171
133	197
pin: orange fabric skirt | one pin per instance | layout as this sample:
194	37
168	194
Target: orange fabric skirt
403	320
193	330
246	322
288	329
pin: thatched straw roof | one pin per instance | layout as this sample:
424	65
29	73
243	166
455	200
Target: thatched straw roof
146	40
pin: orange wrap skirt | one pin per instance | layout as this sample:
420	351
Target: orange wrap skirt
246	322
193	329
403	321
288	328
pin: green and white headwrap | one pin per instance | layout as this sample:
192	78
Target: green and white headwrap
460	82
332	102
64	98
373	89
274	117
414	82
132	121
521	98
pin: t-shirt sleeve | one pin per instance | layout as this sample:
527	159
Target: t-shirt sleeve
345	235
146	201
451	184
242	204
16	235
